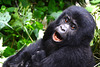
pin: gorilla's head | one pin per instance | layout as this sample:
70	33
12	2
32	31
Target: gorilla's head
74	27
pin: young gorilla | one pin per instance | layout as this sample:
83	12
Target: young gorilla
65	43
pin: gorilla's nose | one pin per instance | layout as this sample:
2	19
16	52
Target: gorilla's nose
64	28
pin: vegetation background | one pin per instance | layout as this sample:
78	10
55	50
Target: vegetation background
23	22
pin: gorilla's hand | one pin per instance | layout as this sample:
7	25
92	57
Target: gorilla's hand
37	57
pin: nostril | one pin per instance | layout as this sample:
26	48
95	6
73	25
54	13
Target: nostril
62	28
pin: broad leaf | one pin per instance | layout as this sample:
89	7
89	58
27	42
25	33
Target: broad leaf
56	14
4	19
90	8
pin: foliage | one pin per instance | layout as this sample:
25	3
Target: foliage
21	22
4	18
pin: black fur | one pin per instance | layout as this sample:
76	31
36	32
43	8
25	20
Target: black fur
73	51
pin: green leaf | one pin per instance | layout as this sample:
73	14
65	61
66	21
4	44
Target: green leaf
52	6
17	23
90	8
19	44
39	25
95	2
8	51
28	16
37	13
11	9
25	3
3	8
36	32
61	4
91	43
56	14
98	22
4	19
30	26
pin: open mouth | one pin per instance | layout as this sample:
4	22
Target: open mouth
57	37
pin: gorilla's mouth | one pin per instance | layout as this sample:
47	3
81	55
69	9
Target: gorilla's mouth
57	37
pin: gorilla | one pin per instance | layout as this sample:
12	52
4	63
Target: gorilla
66	43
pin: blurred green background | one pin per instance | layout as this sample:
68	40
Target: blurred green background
24	21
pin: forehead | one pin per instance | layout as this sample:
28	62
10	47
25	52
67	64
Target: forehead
75	16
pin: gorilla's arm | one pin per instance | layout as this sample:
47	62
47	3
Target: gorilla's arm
54	60
24	56
64	57
16	60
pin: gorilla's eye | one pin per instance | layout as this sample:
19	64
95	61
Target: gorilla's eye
73	27
66	19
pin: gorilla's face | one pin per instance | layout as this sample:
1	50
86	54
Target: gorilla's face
74	26
67	26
